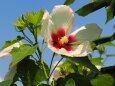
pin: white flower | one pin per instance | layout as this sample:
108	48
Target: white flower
56	28
7	50
56	73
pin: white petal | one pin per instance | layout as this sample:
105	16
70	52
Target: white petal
62	16
6	51
88	32
79	51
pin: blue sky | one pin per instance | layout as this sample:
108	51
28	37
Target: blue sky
10	10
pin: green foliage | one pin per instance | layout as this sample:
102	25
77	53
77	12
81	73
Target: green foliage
110	55
30	72
8	43
84	61
97	61
68	2
103	80
101	49
70	82
6	83
22	52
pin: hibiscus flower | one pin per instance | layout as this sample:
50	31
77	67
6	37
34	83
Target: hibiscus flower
56	28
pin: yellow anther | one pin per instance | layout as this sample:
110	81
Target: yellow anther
63	40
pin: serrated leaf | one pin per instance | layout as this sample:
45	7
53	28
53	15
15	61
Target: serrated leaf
110	11
70	82
31	73
97	61
6	83
102	80
34	17
84	61
68	2
8	43
91	7
22	52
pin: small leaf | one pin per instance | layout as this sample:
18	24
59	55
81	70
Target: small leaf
91	7
8	43
70	82
110	11
22	52
109	44
68	2
84	61
6	83
97	61
102	80
110	55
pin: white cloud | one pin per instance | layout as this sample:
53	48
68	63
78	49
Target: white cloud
1	79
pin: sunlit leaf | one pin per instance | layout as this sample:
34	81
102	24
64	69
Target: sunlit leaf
102	80
8	43
68	2
93	6
97	61
109	44
6	83
70	82
22	52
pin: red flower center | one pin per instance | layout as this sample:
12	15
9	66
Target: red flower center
59	40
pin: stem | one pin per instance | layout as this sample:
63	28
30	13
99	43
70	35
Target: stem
52	60
55	67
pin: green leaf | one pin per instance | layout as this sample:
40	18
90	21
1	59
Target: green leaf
97	61
84	61
93	6
110	55
8	43
102	80
31	73
34	17
70	82
22	52
79	80
109	44
20	24
6	83
110	11
68	2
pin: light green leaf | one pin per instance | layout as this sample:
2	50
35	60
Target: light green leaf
68	2
6	83
93	6
8	43
84	61
70	82
110	11
34	17
103	80
22	52
109	44
97	61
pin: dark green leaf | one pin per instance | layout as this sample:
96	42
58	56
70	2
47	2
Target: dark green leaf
97	61
70	82
31	73
22	52
6	83
8	43
102	80
68	2
93	6
84	61
110	55
110	11
79	80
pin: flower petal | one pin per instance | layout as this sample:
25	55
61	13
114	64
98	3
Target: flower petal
89	32
6	51
62	16
79	51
